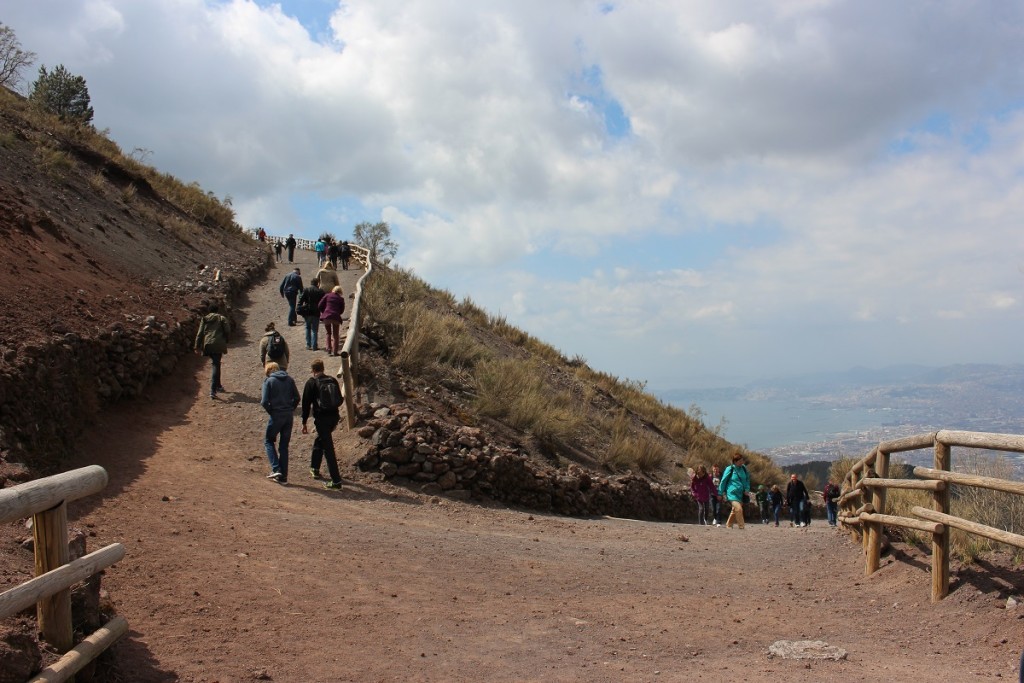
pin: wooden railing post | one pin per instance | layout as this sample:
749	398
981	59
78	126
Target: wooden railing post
940	541
50	536
874	535
350	392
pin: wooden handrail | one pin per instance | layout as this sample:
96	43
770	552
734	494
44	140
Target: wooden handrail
83	653
52	582
904	484
25	500
999	442
971	480
972	527
907	522
908	443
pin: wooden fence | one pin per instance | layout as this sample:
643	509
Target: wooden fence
862	503
45	500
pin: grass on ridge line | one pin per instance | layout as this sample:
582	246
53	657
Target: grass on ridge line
55	141
430	334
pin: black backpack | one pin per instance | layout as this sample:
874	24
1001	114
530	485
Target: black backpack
275	347
329	395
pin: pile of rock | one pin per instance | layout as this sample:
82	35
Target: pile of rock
411	447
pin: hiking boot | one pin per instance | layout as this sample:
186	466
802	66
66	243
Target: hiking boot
274	475
315	473
281	480
332	485
220	388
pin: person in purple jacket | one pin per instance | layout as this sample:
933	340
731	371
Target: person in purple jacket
702	488
331	307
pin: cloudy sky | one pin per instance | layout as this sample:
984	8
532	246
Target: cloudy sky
687	192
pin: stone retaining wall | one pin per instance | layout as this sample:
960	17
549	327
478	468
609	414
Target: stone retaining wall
50	392
413	447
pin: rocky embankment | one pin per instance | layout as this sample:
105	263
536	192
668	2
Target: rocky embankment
409	446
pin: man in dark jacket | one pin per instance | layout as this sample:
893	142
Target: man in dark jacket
291	285
796	499
308	307
212	341
325	419
290	246
279	398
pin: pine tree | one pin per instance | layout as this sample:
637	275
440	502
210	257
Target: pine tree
62	93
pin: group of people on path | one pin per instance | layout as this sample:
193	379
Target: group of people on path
322	302
329	251
321	397
717	491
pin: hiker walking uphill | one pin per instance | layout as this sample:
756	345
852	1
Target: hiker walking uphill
212	341
322	397
308	307
291	285
734	488
702	488
279	398
273	347
290	246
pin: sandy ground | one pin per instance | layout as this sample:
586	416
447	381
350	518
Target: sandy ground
230	577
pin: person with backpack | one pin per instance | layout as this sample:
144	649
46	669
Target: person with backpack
290	287
831	496
331	307
278	247
279	398
735	488
273	347
308	306
212	341
322	397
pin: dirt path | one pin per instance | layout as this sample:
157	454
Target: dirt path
230	577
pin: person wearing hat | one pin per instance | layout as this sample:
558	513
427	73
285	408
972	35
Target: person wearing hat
762	503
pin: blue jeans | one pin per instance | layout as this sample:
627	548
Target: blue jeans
291	296
312	330
832	508
279	424
776	511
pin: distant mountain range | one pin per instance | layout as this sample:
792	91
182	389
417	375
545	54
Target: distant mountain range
874	387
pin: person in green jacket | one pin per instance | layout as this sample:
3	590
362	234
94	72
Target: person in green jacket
734	486
212	341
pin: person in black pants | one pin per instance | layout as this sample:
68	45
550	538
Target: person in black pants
322	397
290	246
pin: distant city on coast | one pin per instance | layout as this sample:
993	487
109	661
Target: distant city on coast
828	416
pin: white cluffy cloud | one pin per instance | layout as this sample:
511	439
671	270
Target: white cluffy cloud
667	188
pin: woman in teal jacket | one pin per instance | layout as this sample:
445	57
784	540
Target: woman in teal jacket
735	484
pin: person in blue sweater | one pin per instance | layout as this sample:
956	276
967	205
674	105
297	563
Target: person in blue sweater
280	397
734	487
291	285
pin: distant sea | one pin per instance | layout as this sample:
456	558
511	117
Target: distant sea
761	425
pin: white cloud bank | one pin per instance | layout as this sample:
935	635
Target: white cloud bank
668	188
